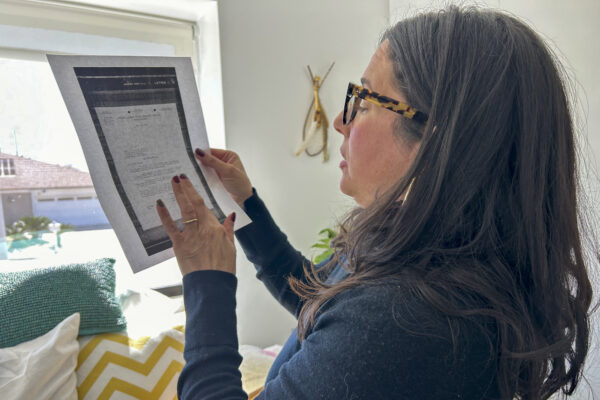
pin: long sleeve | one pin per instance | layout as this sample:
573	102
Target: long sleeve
356	350
274	258
212	360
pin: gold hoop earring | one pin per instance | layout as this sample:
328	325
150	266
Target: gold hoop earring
410	185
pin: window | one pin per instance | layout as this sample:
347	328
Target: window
7	167
41	158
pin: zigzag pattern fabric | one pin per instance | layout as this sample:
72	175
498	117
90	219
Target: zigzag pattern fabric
114	366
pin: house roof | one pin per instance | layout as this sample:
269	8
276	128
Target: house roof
32	174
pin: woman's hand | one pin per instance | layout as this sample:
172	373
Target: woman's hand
204	243
230	170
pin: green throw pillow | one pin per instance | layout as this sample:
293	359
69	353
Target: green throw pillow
35	301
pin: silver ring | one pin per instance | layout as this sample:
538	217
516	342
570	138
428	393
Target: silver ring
189	221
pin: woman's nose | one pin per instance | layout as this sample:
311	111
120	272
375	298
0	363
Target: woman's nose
339	126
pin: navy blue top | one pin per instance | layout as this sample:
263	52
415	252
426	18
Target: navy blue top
355	350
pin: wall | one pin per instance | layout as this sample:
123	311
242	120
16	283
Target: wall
16	206
265	47
3	245
572	31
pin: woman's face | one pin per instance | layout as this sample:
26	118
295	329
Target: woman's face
375	157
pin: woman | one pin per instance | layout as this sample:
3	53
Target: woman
461	272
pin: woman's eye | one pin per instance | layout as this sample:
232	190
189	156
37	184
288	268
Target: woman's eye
362	106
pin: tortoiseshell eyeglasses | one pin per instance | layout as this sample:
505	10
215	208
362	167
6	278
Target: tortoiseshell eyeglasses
356	92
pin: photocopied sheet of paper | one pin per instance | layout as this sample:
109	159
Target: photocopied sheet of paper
139	120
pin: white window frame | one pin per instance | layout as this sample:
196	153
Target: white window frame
190	26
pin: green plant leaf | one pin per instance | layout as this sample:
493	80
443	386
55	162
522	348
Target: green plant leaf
322	257
330	232
325	244
31	223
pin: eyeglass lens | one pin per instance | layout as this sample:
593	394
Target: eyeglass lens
351	109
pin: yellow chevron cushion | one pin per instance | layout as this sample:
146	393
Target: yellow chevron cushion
114	366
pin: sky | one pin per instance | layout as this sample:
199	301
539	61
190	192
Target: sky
33	117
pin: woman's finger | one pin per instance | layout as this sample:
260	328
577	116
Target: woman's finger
227	156
228	225
200	210
185	205
167	221
211	161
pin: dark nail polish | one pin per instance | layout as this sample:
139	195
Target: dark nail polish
233	217
176	179
160	203
182	176
200	152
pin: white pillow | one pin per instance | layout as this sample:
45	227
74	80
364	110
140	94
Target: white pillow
256	363
42	368
149	312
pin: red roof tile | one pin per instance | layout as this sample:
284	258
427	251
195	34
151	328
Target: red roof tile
32	174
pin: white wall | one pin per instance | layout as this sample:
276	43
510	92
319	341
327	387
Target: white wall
265	47
572	31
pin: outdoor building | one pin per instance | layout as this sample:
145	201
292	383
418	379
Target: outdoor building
61	193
